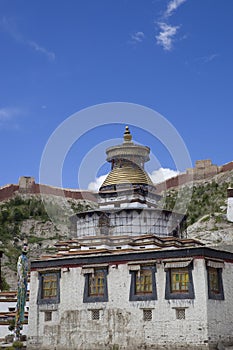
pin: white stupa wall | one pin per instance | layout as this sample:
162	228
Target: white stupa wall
230	209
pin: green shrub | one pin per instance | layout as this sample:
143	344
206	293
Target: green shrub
206	199
17	345
5	285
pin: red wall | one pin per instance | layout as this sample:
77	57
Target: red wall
8	191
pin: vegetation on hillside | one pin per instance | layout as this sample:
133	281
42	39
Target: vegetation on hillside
207	198
18	209
13	214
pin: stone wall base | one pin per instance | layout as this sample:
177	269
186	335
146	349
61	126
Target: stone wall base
119	347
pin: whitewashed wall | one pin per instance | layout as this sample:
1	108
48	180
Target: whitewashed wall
121	322
130	223
220	313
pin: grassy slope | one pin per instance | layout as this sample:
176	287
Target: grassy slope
206	198
15	212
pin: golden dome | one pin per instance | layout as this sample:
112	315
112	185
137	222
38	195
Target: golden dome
127	174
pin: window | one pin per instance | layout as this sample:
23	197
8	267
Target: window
180	314
147	315
48	316
49	287
214	280
179	281
104	224
11	309
215	285
95	285
143	283
95	314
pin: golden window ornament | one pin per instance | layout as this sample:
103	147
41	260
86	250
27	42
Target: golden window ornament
179	281
96	284
143	283
49	286
214	280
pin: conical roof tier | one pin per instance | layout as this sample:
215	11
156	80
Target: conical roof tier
128	174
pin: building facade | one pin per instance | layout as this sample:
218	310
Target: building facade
230	204
128	280
8	301
150	299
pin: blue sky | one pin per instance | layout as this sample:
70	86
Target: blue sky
59	57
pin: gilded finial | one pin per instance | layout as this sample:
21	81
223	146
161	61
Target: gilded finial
127	135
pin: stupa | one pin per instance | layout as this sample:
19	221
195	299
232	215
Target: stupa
127	201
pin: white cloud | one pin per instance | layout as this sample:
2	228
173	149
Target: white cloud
138	37
8	113
156	176
162	174
209	58
94	186
167	32
172	6
50	55
166	35
7	116
9	26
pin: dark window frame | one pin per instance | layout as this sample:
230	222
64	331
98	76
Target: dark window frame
133	296
211	294
43	300
87	298
179	295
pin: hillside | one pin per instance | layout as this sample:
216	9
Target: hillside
206	212
42	223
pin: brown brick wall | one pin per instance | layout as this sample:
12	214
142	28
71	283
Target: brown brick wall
203	170
55	191
227	167
8	192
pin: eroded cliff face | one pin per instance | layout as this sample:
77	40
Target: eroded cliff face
41	237
207	209
213	230
41	223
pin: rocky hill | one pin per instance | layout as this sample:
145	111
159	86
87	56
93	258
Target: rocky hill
207	209
43	222
40	222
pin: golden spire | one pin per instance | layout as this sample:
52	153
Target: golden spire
127	135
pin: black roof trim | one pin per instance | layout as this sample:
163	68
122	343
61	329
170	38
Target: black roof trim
130	256
118	210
